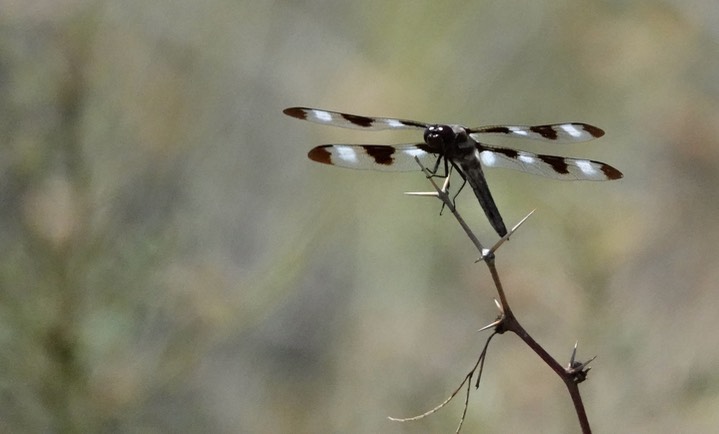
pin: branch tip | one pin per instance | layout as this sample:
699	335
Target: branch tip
578	371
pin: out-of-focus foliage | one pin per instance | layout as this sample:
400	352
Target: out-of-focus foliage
172	262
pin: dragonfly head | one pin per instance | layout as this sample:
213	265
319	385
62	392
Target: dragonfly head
444	137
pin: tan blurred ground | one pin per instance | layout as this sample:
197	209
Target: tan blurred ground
171	261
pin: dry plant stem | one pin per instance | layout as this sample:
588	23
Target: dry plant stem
511	324
444	197
509	321
478	368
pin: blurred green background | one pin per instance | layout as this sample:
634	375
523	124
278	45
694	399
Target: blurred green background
172	262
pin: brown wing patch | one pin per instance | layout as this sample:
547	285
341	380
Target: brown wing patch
320	154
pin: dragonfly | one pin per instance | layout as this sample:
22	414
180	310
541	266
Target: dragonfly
458	148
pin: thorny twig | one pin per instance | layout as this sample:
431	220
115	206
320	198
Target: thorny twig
572	375
467	380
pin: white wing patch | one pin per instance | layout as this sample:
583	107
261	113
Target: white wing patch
347	154
572	130
527	158
488	158
322	115
415	152
587	167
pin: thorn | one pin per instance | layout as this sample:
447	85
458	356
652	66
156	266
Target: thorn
422	193
495	323
488	254
499	319
506	237
430	193
574	353
499	306
445	184
521	222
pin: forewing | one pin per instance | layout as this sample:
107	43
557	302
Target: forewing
346	120
571	132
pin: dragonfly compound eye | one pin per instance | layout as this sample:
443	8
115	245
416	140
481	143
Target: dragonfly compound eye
439	136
